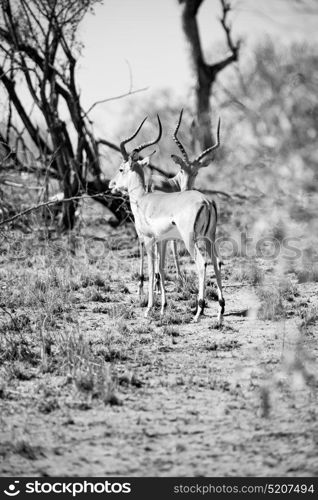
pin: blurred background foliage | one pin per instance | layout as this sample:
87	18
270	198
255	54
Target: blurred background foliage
268	158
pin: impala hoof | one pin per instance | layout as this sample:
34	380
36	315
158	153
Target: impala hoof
220	321
146	315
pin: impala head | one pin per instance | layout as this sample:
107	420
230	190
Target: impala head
190	168
131	161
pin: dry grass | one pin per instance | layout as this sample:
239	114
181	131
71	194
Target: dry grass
73	342
309	316
73	336
40	331
248	272
277	300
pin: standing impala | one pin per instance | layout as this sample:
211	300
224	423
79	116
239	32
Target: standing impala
159	216
182	181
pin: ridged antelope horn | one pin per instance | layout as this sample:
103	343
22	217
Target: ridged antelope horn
216	145
150	143
178	143
122	144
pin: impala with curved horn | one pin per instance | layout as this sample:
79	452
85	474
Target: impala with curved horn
159	216
126	157
182	181
193	166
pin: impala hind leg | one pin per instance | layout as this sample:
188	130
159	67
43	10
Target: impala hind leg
201	268
141	269
161	271
201	264
160	255
150	247
217	270
175	258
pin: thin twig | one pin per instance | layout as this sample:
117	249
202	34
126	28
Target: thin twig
131	83
121	96
236	285
51	202
16	185
11	316
223	193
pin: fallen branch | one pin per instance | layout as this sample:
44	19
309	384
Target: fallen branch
238	312
236	285
16	185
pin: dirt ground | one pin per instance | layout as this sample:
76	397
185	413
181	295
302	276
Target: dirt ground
183	399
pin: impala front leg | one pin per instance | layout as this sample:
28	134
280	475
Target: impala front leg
162	279
141	269
160	255
150	248
157	275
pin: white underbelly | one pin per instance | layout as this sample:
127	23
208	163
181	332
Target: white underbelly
159	230
171	234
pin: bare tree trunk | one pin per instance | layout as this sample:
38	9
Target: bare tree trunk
203	112
205	74
13	97
42	58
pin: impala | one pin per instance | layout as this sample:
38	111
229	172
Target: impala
185	215
183	181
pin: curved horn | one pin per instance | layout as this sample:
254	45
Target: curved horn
151	143
122	144
216	145
176	140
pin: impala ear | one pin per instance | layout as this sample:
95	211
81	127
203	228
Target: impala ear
145	161
205	162
134	156
178	160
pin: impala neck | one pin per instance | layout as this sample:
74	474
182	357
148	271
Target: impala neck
176	182
180	182
185	181
136	188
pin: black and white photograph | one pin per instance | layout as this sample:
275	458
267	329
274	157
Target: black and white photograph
158	241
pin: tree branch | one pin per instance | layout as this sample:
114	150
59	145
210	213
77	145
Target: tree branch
109	144
190	28
33	132
121	96
234	47
47	203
